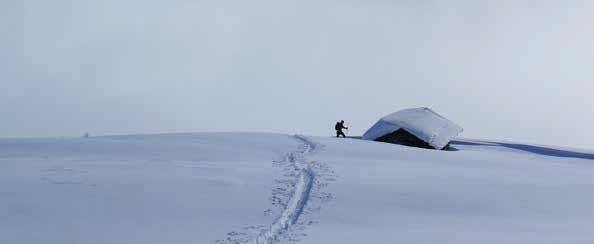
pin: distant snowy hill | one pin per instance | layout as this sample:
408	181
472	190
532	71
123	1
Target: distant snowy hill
272	188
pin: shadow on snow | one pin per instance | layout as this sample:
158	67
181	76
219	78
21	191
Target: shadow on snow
532	149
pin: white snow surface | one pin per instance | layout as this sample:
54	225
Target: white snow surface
272	188
424	123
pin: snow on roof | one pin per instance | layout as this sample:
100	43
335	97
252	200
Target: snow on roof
424	123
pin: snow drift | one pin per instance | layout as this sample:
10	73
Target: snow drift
423	123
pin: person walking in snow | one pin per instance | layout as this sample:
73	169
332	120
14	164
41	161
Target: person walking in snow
338	127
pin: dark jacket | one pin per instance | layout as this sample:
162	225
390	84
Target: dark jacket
339	126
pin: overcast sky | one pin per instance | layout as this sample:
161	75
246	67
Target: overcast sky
512	70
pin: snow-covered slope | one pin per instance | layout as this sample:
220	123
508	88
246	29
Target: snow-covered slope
269	188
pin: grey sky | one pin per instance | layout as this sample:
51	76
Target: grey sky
512	70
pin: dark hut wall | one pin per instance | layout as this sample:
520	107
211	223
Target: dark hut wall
404	137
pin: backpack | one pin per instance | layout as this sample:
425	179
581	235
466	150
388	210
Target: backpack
338	126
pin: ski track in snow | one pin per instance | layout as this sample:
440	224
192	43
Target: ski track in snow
298	195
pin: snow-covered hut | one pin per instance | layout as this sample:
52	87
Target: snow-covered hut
418	127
